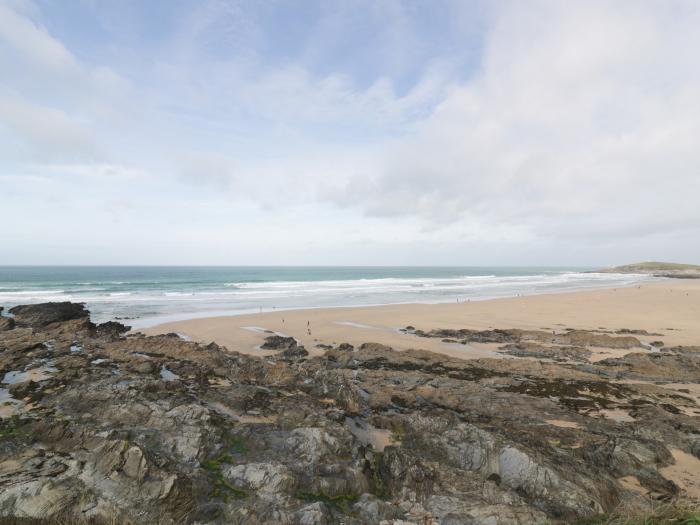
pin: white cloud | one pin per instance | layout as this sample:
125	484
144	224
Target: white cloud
33	41
46	132
577	132
580	122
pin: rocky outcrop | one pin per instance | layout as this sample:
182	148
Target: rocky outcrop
41	315
557	353
6	323
115	428
279	342
112	329
580	338
659	269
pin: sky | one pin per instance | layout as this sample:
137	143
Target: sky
339	132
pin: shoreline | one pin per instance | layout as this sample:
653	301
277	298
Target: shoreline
670	308
544	396
140	324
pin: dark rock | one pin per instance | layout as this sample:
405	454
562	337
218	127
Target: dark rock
572	337
40	315
635	332
375	347
688	350
346	347
558	353
278	342
294	352
113	329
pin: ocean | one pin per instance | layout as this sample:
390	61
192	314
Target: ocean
147	295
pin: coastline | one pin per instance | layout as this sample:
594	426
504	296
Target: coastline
146	296
670	308
553	381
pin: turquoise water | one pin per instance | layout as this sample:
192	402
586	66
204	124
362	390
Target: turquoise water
149	294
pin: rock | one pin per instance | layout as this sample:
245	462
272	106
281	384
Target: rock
135	465
6	323
145	367
265	478
457	511
364	435
370	509
40	315
294	352
579	338
375	347
689	350
695	448
559	353
112	329
278	342
313	514
547	489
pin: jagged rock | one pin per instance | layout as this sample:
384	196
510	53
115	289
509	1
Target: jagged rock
40	315
558	353
278	342
6	323
363	435
113	329
370	509
313	514
579	338
545	487
689	350
458	511
263	478
294	352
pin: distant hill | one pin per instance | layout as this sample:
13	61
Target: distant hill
659	269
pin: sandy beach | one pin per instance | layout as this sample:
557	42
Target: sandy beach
669	308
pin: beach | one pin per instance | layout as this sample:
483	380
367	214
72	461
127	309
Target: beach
669	308
570	404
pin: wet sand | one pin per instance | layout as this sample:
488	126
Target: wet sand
670	308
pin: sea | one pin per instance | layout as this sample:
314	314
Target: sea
142	296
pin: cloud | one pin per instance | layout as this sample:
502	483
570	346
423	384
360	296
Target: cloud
33	41
207	169
578	123
46	133
543	125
